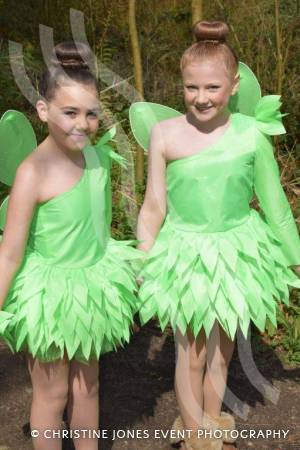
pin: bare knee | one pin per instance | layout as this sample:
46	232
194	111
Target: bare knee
54	399
217	367
85	390
192	360
49	384
197	361
84	381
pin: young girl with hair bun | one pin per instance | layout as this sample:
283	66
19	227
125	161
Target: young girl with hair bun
213	263
66	289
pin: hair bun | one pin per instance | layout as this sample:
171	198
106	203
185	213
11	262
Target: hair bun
211	31
71	55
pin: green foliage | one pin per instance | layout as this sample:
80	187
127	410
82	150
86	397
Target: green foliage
287	336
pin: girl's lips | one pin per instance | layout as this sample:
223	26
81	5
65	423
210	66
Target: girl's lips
79	136
203	109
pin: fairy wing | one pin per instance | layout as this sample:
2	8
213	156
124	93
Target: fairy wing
17	141
143	115
3	211
249	93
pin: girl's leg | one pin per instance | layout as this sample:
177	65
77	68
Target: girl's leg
50	393
83	403
219	353
189	373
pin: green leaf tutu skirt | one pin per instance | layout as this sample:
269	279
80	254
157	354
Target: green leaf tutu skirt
54	312
194	279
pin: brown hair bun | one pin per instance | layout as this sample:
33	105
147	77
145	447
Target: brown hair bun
69	55
211	31
70	61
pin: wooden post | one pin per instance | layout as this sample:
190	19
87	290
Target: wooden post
197	11
138	77
279	62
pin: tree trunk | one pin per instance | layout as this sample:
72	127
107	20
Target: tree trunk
279	62
138	77
197	11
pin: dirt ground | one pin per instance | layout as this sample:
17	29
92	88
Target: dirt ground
137	394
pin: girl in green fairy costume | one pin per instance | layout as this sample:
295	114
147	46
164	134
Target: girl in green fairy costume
213	263
66	288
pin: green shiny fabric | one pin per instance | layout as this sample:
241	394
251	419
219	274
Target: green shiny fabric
75	292
215	258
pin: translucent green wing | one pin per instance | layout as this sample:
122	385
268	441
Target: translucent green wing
17	141
3	210
249	93
143	115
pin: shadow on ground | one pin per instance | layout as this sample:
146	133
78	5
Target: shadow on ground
136	392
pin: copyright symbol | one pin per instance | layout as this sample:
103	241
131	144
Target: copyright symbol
34	433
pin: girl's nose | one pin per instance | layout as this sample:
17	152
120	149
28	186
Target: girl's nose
202	98
82	123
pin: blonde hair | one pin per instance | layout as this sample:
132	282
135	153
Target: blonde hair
211	44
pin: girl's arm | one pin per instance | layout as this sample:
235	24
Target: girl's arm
153	210
23	200
273	201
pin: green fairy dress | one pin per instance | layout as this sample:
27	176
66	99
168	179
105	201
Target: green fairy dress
74	293
216	259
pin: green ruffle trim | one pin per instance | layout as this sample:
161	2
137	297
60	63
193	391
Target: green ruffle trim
233	277
53	312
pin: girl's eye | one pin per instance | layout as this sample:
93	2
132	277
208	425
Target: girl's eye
93	114
191	87
70	113
213	88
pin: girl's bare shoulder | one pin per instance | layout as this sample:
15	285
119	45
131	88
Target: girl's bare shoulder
170	127
33	168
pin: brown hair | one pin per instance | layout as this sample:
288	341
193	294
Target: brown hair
70	61
211	43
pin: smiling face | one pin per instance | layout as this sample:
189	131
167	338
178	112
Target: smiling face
72	115
207	90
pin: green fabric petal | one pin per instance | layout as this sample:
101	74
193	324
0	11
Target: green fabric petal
268	117
5	321
102	146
